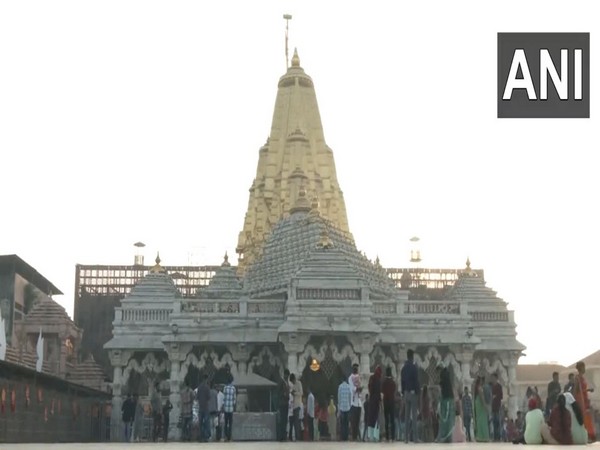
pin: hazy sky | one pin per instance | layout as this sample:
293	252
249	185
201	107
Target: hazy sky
123	121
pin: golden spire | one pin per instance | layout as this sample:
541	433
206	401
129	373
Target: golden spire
314	206
157	267
301	202
226	261
295	59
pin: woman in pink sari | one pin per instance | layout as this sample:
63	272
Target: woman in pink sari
458	434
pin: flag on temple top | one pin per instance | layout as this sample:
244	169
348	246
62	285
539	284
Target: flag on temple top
40	352
2	339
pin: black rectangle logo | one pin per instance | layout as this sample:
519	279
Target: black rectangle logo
543	75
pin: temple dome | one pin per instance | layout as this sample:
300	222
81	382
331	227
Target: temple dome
300	240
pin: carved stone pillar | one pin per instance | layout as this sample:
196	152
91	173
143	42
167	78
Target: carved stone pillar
365	369
116	424
240	354
513	403
175	398
292	362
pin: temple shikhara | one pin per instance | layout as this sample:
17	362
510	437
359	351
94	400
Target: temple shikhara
302	294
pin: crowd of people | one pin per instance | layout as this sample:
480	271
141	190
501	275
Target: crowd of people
380	411
383	411
206	413
567	417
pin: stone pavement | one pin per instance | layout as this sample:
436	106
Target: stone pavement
266	446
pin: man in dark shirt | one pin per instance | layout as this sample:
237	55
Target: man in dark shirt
203	397
410	390
571	383
128	411
389	389
497	396
467	407
284	403
554	390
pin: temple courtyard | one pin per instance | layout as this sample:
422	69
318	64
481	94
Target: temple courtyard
258	446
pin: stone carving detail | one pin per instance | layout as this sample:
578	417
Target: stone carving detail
483	368
431	308
229	308
491	316
433	359
380	358
208	359
328	294
338	356
149	364
145	315
266	308
264	361
384	308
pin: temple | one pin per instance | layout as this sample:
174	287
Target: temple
303	293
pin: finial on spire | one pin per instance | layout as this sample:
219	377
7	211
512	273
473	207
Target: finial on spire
468	263
157	268
468	272
226	261
287	18
295	59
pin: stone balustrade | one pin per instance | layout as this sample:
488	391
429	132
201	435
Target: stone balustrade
440	308
384	309
489	316
145	315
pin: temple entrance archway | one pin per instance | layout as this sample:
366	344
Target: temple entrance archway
325	362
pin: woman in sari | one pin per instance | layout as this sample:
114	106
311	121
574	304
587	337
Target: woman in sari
447	408
580	392
480	414
332	419
458	434
426	416
374	401
580	434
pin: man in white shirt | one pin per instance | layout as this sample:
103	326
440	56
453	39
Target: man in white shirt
310	410
356	406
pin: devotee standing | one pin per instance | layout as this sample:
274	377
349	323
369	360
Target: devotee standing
203	397
229	403
374	402
389	390
310	412
554	389
581	393
447	407
467	409
128	414
409	381
284	399
355	410
296	390
187	401
426	416
344	405
497	396
138	422
166	414
570	383
482	429
156	404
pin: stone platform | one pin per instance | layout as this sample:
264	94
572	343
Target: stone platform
268	446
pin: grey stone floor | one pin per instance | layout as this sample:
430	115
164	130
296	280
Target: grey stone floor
261	446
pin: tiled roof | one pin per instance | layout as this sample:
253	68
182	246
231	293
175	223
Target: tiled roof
293	240
25	359
87	373
154	287
224	283
47	310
